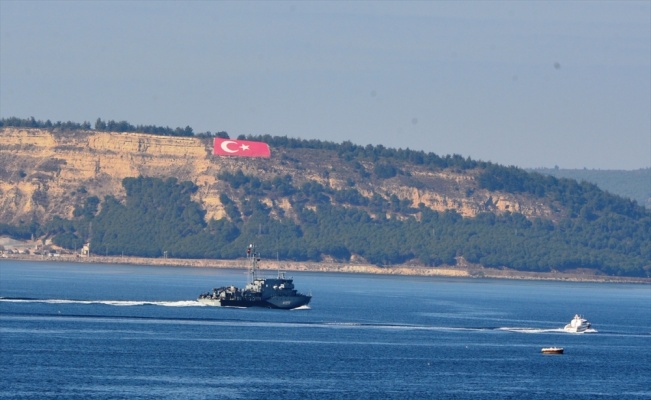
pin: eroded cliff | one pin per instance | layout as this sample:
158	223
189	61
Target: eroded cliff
45	174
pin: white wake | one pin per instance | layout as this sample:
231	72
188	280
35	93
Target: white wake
118	303
543	330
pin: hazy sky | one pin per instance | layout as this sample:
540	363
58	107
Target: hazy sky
532	84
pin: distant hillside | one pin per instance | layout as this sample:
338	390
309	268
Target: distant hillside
635	185
145	194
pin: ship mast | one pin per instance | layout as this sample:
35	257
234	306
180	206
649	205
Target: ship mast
252	259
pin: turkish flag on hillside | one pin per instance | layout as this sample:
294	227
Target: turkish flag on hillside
241	148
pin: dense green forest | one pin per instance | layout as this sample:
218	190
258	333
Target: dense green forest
159	217
602	231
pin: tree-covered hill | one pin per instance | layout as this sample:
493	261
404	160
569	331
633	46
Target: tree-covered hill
319	200
159	218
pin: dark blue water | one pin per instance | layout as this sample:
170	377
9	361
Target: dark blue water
82	331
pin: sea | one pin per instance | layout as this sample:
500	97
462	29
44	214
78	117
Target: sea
93	331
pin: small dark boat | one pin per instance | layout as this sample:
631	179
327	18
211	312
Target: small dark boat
552	350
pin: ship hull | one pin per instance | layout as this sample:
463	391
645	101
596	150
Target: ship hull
279	302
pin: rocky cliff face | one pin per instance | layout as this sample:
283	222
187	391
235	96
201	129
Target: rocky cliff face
45	174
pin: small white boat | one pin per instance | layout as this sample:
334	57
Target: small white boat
578	324
552	350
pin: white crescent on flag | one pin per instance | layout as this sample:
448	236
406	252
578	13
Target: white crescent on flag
225	144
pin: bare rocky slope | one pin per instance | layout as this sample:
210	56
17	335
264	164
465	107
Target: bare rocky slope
45	173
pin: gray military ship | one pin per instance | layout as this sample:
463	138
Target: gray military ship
259	292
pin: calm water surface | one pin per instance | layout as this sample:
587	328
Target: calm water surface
83	331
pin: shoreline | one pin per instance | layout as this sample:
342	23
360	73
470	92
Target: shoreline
466	271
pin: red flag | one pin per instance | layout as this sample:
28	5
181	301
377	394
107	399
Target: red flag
241	148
